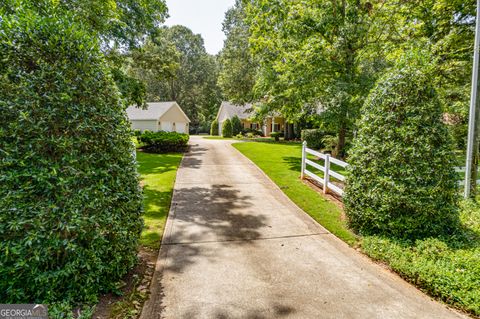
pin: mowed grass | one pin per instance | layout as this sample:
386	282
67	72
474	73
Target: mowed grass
281	162
158	173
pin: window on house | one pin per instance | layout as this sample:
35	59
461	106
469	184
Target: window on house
254	126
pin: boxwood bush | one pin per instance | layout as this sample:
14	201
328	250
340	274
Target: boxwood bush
214	128
314	138
70	202
236	125
401	178
164	142
227	128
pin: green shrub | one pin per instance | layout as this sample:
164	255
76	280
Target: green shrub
250	135
70	202
276	135
239	135
227	129
314	138
164	142
137	133
237	126
253	131
214	128
401	178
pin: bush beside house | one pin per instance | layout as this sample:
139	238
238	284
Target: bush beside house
164	142
401	178
70	209
214	128
314	138
236	125
227	129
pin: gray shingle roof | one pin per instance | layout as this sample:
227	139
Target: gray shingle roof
242	111
153	112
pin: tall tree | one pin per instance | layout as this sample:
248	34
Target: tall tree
189	77
314	54
237	66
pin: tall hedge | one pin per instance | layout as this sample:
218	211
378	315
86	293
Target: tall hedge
227	128
70	203
401	181
214	128
236	125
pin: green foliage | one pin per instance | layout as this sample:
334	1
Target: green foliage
176	67
252	131
137	133
447	267
164	142
401	178
70	201
214	128
227	128
239	135
314	138
237	66
276	135
119	22
237	126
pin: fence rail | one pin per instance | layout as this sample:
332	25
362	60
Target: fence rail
326	169
328	172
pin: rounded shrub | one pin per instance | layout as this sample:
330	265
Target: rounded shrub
70	202
401	179
227	129
214	128
164	142
236	125
314	138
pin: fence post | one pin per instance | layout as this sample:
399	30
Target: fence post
326	175
304	155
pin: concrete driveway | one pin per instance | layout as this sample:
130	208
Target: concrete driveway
236	247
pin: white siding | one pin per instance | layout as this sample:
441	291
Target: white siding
220	125
180	127
166	126
143	125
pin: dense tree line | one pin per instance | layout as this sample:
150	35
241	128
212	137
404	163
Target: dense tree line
174	65
298	56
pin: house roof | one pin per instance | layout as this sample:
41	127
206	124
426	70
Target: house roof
230	110
154	111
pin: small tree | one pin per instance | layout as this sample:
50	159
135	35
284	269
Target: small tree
214	128
236	125
401	178
227	129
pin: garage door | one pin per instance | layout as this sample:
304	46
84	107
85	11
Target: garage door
180	127
166	126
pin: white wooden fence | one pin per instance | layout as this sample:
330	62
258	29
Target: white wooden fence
326	169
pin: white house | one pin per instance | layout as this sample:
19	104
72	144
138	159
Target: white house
159	116
228	110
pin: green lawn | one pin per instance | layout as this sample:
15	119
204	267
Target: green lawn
158	176
281	162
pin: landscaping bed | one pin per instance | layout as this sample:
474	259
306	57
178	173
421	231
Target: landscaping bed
446	268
